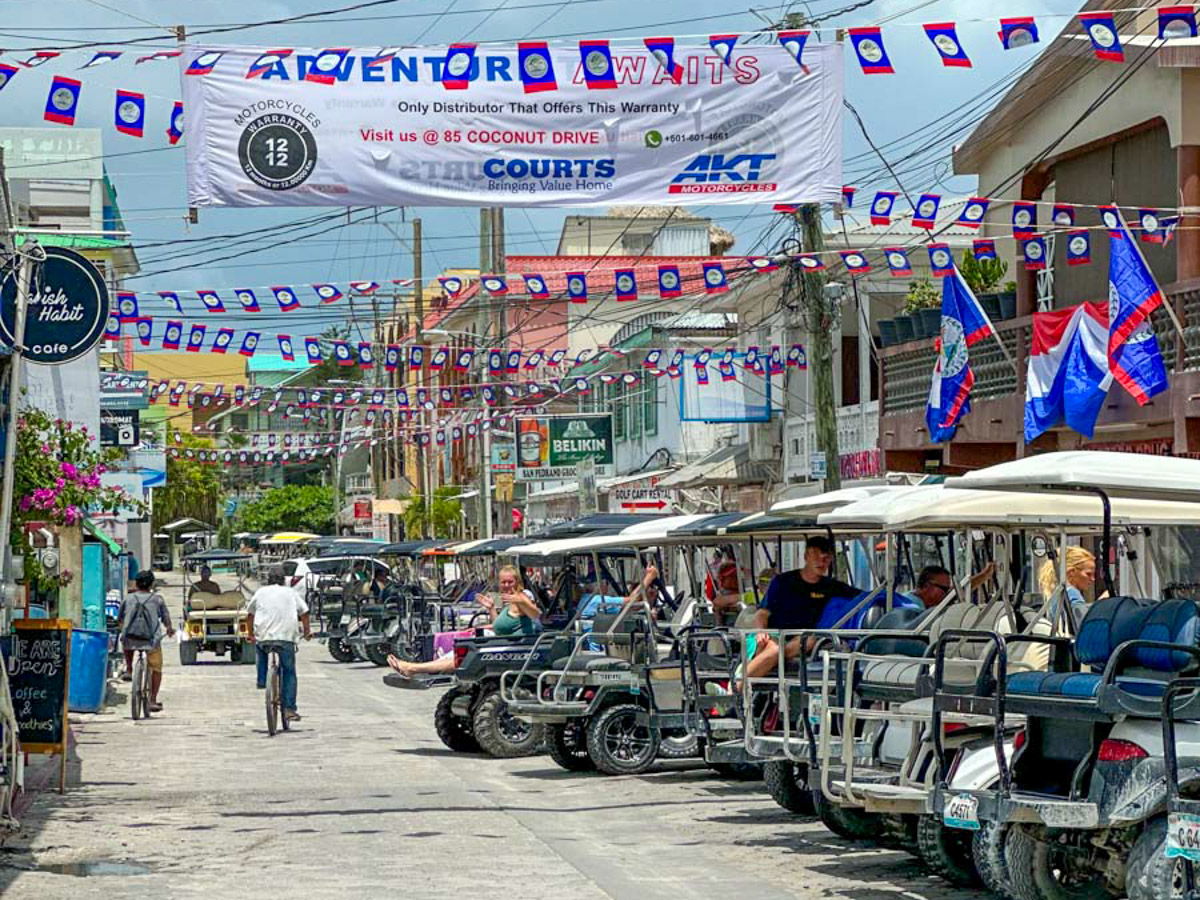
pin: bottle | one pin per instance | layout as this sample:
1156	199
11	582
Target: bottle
530	441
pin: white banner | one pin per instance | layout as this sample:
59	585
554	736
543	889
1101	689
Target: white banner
341	128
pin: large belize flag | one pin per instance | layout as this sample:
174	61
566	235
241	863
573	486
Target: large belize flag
964	324
1133	354
1068	376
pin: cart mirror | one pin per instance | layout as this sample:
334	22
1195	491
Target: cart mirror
1040	546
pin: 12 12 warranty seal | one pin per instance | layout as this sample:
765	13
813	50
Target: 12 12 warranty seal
278	151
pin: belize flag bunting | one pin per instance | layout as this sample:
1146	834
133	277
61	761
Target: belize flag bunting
715	281
495	362
1033	251
1111	217
438	359
1063	215
160	54
964	324
364	287
127	306
285	297
1133	353
112	328
285	347
898	263
868	45
1101	28
855	262
456	73
326	293
663	51
1018	32
452	285
1079	248
145	330
1176	22
973	212
204	63
1024	220
512	362
266	62
324	69
175	129
848	196
63	100
172	335
944	37
941	260
881	208
984	249
798	357
793	42
495	285
763	263
1151	230
625	284
535	287
196	338
462	362
40	57
811	262
701	375
535	359
391	358
100	58
668	282
366	358
211	301
925	212
537	70
596	60
312	347
6	73
247	299
129	114
222	340
722	45
341	353
652	358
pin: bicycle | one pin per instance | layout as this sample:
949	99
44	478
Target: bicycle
139	689
274	692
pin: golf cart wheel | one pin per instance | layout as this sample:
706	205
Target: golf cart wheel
787	783
621	740
567	745
377	653
947	851
678	746
455	731
340	650
1051	871
1151	875
738	771
501	734
187	653
847	822
987	847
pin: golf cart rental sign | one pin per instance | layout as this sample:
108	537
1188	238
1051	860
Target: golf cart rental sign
66	312
550	447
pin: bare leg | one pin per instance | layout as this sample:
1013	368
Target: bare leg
765	659
128	661
155	684
442	666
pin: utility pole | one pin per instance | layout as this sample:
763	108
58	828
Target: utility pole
500	330
481	329
424	454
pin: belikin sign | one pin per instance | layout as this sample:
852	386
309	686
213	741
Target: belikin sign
550	447
66	312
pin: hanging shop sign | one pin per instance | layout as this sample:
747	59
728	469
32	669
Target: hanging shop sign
67	309
119	428
124	390
467	126
504	455
550	447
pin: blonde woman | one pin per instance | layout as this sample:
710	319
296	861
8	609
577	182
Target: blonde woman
1081	579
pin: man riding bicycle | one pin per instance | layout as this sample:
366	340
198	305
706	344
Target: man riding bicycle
273	620
140	615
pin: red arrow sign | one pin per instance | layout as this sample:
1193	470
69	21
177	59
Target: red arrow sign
656	504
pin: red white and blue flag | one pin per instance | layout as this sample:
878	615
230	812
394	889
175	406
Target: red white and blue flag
6	73
794	42
211	301
625	284
944	37
1018	32
715	280
1101	28
222	340
145	330
203	64
855	262
456	71
898	262
596	61
872	55
964	324
366	357
941	260
577	291
285	347
663	51
494	285
196	338
326	293
926	210
984	249
127	306
881	207
451	284
1176	22
1033	252
157	55
342	354
247	299
285	297
1067	375
1063	215
129	113
1024	220
101	58
1133	294
312	346
536	67
328	66
172	335
39	58
535	286
811	262
722	45
364	287
1079	247
669	284
266	62
175	128
63	100
973	212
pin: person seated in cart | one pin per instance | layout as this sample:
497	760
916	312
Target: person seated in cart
205	585
935	583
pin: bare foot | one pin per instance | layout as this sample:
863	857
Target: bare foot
404	668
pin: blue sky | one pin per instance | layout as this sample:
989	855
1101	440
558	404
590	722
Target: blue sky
152	189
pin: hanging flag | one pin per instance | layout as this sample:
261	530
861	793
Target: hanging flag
1018	32
535	287
112	328
324	69
285	297
438	359
100	58
391	357
172	335
401	397
456	72
495	285
669	285
366	358
222	340
341	353
326	293
537	71
416	357
984	249
663	51
535	359
652	358
625	283
266	62
848	196
1063	215
239	394
1176	22
944	37
715	281
596	61
881	207
751	358
556	357
312	346
462	361
973	212
793	42
1133	354
204	63
62	101
788	209
763	263
489	395
701	376
577	287
285	347
40	57
798	357
249	343
196	338
1068	374
175	128
246	297
722	45
925	212
160	54
811	262
127	306
1079	248
941	260
582	356
451	284
1111	217
145	330
1151	228
364	287
898	263
6	73
727	373
512	362
1024	220
868	45
964	324
211	301
855	262
1101	28
1169	224
775	361
1033	251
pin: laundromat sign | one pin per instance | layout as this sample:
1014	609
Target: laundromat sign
66	312
549	447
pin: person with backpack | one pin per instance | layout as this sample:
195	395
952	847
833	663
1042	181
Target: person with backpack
141	614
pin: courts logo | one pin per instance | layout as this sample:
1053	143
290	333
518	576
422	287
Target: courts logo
717	173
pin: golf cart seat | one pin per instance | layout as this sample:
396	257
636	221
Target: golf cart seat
590	661
228	600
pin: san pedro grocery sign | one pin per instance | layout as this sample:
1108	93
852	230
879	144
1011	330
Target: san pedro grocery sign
549	447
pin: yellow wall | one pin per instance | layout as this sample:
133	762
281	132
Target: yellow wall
203	367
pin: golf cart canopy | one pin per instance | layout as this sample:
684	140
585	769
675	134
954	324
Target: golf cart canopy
769	525
194	524
600	522
353	548
709	526
289	537
491	547
1116	474
217	554
410	549
820	503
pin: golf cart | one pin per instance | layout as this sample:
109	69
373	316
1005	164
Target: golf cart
215	623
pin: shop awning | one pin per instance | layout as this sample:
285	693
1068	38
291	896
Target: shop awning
109	544
389	507
726	467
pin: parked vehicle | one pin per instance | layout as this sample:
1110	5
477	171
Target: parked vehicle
215	623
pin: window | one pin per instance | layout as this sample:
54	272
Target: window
633	402
617	404
649	389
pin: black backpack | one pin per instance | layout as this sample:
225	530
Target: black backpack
142	626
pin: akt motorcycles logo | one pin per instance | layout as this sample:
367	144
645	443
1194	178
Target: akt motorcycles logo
278	151
716	173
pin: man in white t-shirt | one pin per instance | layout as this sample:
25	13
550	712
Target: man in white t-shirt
274	620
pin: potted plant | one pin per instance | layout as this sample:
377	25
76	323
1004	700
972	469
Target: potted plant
887	332
983	277
923	304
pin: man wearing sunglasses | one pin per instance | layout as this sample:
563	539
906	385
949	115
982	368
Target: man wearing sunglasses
935	583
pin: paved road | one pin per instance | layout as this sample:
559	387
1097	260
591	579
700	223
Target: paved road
362	800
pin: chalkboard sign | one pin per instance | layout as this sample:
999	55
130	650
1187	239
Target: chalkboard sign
37	658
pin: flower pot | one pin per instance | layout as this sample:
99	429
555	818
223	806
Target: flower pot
1008	306
887	332
931	321
905	329
991	305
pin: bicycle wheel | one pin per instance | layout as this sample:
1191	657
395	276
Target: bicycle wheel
283	719
272	698
136	701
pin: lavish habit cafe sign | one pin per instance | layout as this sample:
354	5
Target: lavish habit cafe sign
66	310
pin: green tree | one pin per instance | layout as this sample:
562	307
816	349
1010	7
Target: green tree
192	489
446	514
328	369
293	507
982	275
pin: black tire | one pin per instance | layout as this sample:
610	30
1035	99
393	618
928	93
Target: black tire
738	771
1041	871
500	734
378	653
187	653
847	822
137	707
947	851
1150	875
340	650
272	701
678	746
987	847
787	783
455	731
621	740
567	745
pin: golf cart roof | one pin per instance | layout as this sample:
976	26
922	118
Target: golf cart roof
353	548
491	546
1116	474
247	535
406	548
600	522
937	508
766	524
217	554
820	503
709	526
187	523
570	546
289	537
